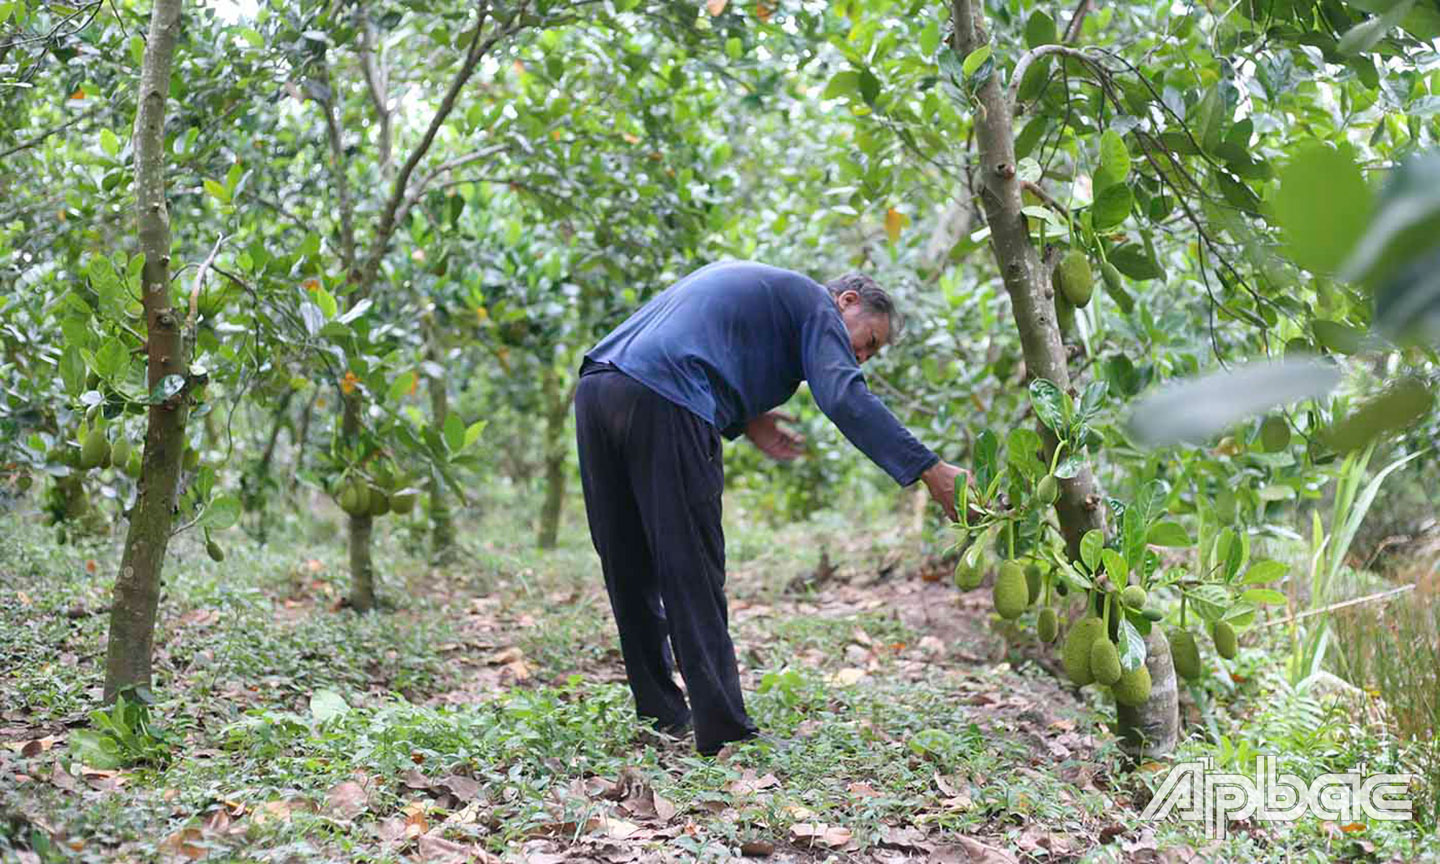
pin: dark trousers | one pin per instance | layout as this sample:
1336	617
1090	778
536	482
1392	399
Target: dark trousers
652	475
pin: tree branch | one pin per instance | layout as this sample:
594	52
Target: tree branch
478	48
337	170
1029	57
199	283
372	63
31	142
1077	20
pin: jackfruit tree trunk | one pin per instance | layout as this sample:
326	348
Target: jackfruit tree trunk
442	525
1153	729
137	586
1032	302
556	412
302	435
362	566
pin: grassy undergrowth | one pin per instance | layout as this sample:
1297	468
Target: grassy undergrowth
276	706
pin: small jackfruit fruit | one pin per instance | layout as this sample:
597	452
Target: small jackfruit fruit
214	551
1134	596
1274	434
1104	661
1076	652
1047	490
1133	688
1073	278
1224	636
1116	288
1185	654
94	450
1048	627
1010	594
1034	581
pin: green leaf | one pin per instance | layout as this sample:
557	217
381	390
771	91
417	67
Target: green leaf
112	361
1323	206
72	370
253	37
843	84
1116	567
1364	36
1114	156
356	311
473	431
1131	646
1021	447
401	386
109	142
1337	337
1132	260
1209	601
327	705
217	191
1090	546
1263	597
232	177
734	48
137	50
1049	404
1168	534
974	59
1265	571
869	86
1040	30
930	38
166	388
223	512
326	302
987	446
1111	207
454	430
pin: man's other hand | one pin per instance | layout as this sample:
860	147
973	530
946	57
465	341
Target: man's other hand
773	439
940	480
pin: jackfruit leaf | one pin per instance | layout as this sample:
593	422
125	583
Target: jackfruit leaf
1132	260
222	513
1090	546
1040	30
1193	409
1322	207
1049	404
1131	646
1112	205
1168	534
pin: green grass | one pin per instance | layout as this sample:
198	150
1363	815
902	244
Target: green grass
244	646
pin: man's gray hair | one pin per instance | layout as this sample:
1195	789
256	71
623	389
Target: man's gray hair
873	298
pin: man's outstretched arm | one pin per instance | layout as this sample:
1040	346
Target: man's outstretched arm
839	389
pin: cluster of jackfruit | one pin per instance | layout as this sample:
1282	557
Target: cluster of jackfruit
359	497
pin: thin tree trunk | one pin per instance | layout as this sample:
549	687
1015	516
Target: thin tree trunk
302	435
262	471
442	526
1150	728
1026	281
362	567
556	404
282	414
137	587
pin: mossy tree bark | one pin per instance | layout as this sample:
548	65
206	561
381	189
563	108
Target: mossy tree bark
1032	302
137	587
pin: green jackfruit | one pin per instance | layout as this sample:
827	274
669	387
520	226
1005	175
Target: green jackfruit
1010	594
120	452
94	450
1133	688
1076	652
354	498
1116	288
1104	662
1072	278
1034	581
1048	627
1047	490
402	501
1134	596
379	501
969	573
134	465
1274	434
1185	654
1224	637
214	551
1153	614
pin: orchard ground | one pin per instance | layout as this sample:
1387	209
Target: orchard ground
484	714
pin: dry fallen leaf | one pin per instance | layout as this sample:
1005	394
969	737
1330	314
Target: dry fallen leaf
346	801
716	6
818	833
757	849
187	843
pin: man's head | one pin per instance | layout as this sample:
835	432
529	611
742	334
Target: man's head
868	311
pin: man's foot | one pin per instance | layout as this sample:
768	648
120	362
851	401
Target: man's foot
766	741
668	734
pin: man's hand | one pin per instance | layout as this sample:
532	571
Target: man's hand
940	480
774	440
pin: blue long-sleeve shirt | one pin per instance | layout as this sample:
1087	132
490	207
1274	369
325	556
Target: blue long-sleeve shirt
734	339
